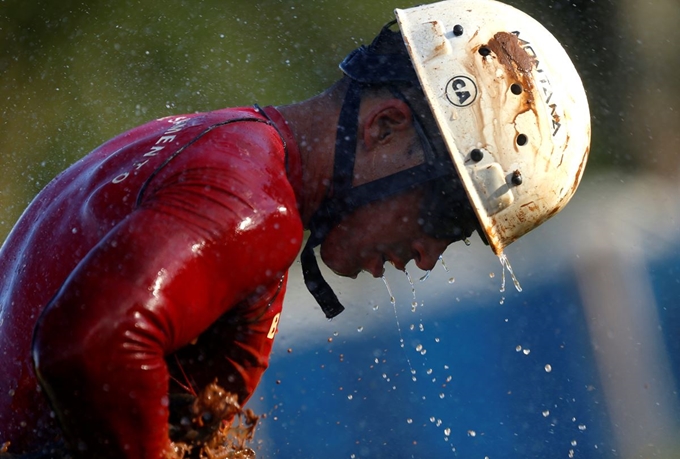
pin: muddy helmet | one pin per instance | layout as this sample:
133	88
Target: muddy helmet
510	106
512	120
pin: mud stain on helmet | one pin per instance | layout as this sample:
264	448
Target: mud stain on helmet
518	62
509	51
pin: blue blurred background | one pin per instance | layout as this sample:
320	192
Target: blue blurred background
584	362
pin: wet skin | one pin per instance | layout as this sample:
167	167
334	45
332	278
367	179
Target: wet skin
378	232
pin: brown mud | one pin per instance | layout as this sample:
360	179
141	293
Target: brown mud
200	427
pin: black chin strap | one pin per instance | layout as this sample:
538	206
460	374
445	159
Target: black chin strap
328	215
343	199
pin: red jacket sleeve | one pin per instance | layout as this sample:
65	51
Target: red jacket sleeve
197	246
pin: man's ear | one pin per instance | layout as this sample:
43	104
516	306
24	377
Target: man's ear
385	119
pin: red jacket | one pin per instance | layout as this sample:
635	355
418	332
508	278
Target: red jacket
166	247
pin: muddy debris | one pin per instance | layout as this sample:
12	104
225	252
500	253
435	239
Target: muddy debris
201	426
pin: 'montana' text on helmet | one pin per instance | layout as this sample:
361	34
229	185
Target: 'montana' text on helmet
510	105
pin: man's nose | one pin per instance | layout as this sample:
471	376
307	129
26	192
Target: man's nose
427	252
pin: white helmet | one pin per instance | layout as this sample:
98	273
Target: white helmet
510	106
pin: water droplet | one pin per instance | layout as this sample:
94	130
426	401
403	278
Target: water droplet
526	351
396	318
419	347
409	421
441	258
518	348
447	431
548	368
452	280
449	378
431	418
438	423
360	329
442	395
492	275
425	276
581	427
375	307
467	242
429	371
436	340
350	397
574	443
546	413
502	300
413	288
472	433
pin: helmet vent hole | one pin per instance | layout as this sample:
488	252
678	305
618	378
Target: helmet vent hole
516	89
522	140
458	30
484	51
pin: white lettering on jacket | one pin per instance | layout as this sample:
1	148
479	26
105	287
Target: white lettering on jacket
168	136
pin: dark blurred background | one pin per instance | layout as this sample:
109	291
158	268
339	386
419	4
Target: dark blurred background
601	280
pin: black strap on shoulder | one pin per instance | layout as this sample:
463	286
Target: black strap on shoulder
271	122
146	183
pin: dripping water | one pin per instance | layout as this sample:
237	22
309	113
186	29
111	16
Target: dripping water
419	348
393	301
414	303
506	265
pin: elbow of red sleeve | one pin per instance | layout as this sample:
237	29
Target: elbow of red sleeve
106	381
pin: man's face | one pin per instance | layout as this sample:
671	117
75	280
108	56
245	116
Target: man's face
382	231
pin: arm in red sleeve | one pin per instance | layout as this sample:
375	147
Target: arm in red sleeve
99	345
152	285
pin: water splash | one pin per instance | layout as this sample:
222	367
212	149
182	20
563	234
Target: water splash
393	301
506	265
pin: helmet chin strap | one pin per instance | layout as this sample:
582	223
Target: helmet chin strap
342	199
327	216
